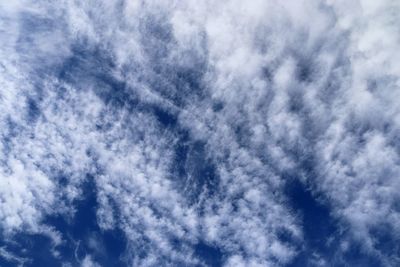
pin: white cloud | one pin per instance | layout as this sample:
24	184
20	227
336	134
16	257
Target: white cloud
273	84
88	262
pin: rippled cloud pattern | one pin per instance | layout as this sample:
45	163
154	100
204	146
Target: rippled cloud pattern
199	133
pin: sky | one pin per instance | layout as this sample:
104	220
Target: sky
199	133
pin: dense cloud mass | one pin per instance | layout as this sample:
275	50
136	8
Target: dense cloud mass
199	133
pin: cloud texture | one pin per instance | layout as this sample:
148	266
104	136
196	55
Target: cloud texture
191	122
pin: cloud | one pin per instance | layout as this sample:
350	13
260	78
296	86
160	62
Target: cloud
194	118
88	262
12	258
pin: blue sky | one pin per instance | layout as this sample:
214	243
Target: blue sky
219	133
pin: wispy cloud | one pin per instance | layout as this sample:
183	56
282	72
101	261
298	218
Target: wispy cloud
193	120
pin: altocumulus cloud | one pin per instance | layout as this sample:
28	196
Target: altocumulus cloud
199	133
